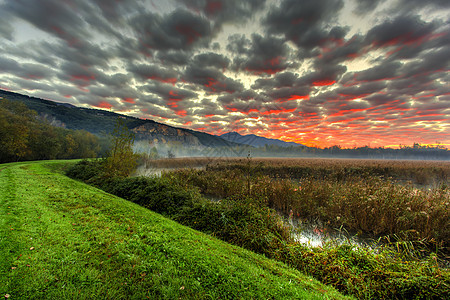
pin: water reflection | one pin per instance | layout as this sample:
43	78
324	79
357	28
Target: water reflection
316	234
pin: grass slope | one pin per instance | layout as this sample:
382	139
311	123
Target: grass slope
62	239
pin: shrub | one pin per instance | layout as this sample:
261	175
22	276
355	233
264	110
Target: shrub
251	225
202	215
158	194
86	170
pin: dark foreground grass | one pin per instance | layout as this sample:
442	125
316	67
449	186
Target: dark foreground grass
62	239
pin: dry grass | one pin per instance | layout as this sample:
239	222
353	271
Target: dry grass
356	194
418	172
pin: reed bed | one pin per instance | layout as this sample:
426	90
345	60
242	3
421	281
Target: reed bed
421	173
342	195
418	172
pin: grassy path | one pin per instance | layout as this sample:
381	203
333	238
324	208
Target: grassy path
62	239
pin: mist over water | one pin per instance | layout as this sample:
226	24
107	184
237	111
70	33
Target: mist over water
178	149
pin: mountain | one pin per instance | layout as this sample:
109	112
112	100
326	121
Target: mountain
101	121
255	141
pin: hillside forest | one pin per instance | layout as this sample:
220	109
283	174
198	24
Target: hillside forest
24	135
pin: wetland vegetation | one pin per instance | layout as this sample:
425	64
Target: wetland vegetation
373	199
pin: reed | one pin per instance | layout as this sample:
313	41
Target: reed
368	205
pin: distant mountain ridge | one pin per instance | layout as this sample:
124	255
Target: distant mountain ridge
255	141
97	121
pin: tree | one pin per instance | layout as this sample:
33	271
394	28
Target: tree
70	146
14	130
45	142
153	153
87	144
121	160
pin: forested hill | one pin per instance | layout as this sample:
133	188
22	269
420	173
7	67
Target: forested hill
73	117
25	136
98	121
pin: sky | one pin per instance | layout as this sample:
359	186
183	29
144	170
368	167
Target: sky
317	72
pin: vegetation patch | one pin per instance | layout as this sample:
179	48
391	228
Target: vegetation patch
26	136
245	217
368	206
62	239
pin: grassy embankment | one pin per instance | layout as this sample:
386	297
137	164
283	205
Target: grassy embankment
62	239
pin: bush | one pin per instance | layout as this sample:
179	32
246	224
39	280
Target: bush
202	215
249	224
86	170
158	194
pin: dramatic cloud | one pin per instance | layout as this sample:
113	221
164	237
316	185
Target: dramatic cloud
52	16
263	55
211	79
318	72
306	23
365	6
221	11
179	30
6	29
402	31
154	72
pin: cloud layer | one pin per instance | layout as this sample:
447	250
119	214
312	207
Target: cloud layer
318	72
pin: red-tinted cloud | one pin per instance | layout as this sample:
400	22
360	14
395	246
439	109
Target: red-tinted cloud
324	82
170	80
190	33
129	100
213	7
181	113
104	104
85	78
270	66
214	84
298	97
348	111
277	111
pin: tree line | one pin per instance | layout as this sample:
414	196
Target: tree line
26	136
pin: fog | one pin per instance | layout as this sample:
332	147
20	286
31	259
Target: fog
177	149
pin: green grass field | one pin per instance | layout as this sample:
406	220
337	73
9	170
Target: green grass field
62	239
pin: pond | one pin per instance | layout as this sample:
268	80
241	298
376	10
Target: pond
316	234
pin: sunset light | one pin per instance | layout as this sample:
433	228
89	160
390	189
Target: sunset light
315	72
